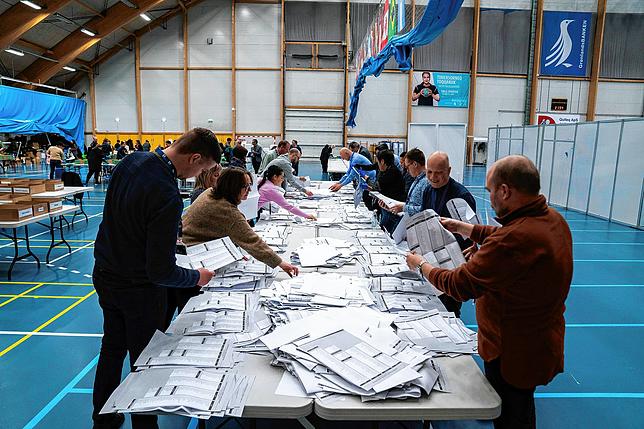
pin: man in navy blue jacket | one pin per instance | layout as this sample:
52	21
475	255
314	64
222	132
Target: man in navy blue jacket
441	189
135	256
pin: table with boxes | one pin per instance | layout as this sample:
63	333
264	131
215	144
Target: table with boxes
25	202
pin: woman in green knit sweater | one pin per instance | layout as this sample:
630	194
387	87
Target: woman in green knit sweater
214	214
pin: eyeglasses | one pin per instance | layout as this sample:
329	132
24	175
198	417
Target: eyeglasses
247	186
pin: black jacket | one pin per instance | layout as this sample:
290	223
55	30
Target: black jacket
391	184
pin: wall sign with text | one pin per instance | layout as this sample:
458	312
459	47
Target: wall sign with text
565	44
441	89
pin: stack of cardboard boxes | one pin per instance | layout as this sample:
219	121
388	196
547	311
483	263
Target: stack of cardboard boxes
16	202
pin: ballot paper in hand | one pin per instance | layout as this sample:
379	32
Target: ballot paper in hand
459	209
389	202
213	255
426	236
216	301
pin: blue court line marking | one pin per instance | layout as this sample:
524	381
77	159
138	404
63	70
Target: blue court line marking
620	395
605	243
59	397
590	325
636	261
83	391
192	424
589	285
607	231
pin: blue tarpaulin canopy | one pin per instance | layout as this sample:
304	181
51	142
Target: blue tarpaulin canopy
438	15
30	112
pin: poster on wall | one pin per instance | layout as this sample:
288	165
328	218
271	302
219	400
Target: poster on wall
554	118
440	89
566	38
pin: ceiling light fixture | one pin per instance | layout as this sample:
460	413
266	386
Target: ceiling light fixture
146	17
31	4
15	52
90	33
71	69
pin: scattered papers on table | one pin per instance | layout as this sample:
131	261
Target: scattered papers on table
213	255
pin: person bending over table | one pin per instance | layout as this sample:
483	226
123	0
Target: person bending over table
135	257
355	161
520	277
270	190
215	215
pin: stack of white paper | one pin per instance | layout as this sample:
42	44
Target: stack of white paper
199	351
191	392
250	267
459	209
213	255
237	284
393	302
441	332
210	323
216	301
325	252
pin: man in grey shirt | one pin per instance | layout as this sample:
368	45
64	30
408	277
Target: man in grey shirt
285	162
281	149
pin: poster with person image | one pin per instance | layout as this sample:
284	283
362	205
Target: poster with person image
440	89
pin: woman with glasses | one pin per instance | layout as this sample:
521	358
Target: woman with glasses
270	191
207	179
214	214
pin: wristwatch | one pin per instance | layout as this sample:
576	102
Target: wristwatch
420	266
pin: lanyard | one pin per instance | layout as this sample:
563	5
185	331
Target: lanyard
164	158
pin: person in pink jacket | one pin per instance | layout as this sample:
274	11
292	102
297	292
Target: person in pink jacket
270	190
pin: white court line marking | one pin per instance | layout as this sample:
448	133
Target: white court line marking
75	271
50	334
73	251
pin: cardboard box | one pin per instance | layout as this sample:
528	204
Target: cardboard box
53	204
40	208
5	197
5	188
21	199
28	188
15	212
54	185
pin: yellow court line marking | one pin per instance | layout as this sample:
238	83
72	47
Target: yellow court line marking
41	296
48	284
2	304
44	325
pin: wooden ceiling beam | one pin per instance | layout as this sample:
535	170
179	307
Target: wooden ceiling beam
19	19
77	42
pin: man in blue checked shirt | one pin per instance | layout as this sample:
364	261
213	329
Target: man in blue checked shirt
415	161
353	172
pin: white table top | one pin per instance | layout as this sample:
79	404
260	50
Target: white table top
34	219
65	192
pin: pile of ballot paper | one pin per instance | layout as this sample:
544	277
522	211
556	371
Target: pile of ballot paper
192	392
211	255
426	236
353	351
325	252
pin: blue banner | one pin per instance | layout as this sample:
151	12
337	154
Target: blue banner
454	89
30	112
565	43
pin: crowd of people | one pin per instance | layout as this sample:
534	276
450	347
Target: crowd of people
140	290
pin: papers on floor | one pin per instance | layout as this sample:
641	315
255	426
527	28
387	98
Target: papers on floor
213	255
192	392
426	236
459	209
198	351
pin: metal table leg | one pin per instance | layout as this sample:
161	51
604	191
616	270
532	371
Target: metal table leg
16	251
52	229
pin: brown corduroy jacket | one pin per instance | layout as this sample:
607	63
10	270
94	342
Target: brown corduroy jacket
208	219
521	277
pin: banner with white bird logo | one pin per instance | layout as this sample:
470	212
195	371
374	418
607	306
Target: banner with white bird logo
565	43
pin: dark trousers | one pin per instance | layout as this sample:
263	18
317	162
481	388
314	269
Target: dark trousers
517	405
95	172
131	315
451	304
325	165
177	299
296	168
53	164
256	165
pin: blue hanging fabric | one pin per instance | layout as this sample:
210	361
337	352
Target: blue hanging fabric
438	15
30	112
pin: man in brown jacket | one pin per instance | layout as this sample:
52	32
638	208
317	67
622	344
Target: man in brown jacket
520	277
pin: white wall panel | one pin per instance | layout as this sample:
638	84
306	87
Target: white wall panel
257	35
210	19
314	88
382	109
163	47
619	99
604	169
162	97
210	98
441	115
115	93
630	179
582	165
575	91
500	101
571	5
258	101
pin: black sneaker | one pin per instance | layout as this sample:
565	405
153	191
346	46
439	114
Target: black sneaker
110	421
